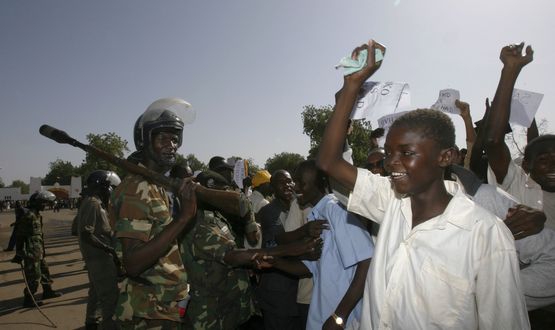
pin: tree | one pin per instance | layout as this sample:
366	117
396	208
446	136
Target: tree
61	172
253	168
193	161
517	139
314	124
2	185
20	184
108	142
283	161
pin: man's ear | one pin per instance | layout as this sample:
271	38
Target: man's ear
446	156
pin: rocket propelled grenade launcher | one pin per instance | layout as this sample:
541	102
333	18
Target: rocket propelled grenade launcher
227	201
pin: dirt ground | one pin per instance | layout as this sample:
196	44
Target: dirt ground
66	267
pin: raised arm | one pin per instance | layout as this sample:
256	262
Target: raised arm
469	128
330	152
497	151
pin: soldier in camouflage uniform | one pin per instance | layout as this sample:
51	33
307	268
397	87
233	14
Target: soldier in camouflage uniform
145	229
221	295
30	248
96	245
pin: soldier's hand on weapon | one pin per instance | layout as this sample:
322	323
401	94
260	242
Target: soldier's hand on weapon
188	199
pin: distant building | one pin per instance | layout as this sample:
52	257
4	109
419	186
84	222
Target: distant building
12	194
61	192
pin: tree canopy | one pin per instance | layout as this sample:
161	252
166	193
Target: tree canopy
108	142
61	172
20	184
314	124
283	161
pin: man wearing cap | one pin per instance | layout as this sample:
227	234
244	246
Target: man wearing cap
261	190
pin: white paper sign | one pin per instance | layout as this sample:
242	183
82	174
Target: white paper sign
379	99
386	121
240	172
446	101
524	105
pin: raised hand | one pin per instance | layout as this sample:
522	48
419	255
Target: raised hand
512	56
464	108
372	66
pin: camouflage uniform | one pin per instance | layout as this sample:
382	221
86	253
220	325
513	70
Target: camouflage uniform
140	210
31	249
103	290
221	296
240	226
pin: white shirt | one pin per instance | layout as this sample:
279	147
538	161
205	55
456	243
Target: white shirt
297	218
258	201
519	184
536	253
458	270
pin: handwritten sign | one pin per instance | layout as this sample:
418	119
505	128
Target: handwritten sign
524	105
378	99
240	172
386	121
446	101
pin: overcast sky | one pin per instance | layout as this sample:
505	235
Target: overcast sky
247	67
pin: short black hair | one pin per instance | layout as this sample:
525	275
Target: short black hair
433	124
537	145
321	179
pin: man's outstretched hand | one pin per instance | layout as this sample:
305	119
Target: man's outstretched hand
512	56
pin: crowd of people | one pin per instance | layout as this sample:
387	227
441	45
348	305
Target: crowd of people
425	236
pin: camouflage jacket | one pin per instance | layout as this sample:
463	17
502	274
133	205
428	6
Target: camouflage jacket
221	296
29	232
140	210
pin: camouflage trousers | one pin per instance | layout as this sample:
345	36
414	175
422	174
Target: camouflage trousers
36	270
103	290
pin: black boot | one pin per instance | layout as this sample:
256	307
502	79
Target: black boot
91	326
16	259
48	293
28	301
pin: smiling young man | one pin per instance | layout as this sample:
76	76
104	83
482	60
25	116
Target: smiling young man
440	260
145	229
533	183
277	291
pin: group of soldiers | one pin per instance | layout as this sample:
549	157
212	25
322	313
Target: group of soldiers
175	245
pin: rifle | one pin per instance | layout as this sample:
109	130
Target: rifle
227	201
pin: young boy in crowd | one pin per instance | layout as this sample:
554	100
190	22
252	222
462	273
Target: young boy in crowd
440	260
533	183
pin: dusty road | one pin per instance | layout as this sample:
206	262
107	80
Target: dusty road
66	266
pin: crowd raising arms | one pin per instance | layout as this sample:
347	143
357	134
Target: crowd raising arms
440	259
